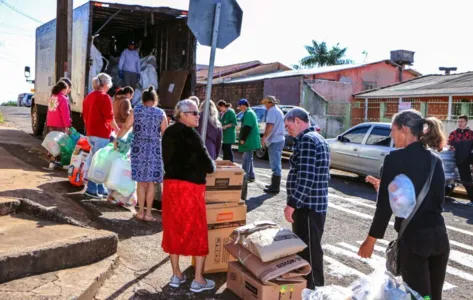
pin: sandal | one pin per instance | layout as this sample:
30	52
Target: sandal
149	219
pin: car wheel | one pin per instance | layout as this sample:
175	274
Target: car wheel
262	153
37	121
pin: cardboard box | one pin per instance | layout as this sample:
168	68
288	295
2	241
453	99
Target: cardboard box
222	219
268	241
247	287
225	184
285	269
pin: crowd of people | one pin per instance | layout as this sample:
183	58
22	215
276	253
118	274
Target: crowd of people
176	156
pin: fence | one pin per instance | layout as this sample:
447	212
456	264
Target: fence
382	110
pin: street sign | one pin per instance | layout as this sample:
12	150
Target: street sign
201	21
215	23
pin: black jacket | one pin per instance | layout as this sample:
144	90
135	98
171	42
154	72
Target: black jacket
184	155
414	162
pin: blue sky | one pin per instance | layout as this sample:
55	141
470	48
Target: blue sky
277	30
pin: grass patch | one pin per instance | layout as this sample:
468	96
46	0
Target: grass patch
10	103
1	119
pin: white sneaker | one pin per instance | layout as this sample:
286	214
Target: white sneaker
175	282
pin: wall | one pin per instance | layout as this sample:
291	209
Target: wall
338	96
315	105
253	91
287	90
381	73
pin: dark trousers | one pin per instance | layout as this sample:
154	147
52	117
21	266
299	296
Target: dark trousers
309	227
465	175
227	152
423	261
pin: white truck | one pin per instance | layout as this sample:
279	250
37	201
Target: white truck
160	33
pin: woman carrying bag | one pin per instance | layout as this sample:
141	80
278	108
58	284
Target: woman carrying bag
422	248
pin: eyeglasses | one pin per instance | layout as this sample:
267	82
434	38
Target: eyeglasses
194	113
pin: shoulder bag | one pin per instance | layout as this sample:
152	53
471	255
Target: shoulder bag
392	252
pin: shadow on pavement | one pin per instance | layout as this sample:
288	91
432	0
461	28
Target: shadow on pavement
343	184
255	202
121	290
183	292
458	209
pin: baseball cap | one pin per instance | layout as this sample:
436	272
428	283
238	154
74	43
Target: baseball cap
243	102
269	99
131	43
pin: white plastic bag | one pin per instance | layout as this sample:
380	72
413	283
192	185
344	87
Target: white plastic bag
382	285
102	160
120	177
51	142
402	196
330	292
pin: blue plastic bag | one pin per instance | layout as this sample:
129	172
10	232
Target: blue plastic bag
402	196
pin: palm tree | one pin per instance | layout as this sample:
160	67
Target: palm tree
320	56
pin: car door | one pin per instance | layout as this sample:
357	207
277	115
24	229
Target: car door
345	150
376	147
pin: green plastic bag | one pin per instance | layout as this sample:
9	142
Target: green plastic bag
68	143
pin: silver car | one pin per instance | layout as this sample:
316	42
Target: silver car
362	148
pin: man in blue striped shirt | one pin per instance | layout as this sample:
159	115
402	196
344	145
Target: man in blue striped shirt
307	190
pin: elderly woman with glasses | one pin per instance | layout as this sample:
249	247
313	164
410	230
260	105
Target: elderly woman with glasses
186	165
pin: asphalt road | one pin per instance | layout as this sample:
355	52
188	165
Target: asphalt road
144	269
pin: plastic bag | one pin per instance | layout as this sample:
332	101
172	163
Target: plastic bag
382	285
402	196
330	292
148	73
51	142
120	178
101	163
76	169
68	144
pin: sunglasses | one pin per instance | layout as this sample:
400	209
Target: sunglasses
194	113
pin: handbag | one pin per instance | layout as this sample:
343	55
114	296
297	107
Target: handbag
392	252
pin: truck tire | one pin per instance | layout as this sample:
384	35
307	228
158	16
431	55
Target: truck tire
37	120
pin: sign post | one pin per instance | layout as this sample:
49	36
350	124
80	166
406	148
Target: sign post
215	23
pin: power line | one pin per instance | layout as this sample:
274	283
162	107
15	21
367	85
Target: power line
20	12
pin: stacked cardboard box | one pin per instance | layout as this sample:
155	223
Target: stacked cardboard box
268	266
225	213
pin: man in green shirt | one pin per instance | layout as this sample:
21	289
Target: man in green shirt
229	121
249	139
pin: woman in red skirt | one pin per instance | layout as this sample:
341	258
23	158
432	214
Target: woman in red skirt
186	165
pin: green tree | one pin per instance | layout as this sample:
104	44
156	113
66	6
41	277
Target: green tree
320	56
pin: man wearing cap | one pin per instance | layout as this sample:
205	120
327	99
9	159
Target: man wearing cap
129	66
274	140
249	139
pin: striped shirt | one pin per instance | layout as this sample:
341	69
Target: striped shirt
307	182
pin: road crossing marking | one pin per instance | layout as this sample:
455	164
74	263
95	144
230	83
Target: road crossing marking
366	216
460	245
339	270
375	261
450	270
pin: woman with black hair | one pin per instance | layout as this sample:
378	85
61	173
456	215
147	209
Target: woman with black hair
229	122
423	241
59	114
122	105
149	123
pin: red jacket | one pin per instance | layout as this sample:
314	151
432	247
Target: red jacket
97	113
59	114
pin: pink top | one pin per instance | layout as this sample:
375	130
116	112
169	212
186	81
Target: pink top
58	111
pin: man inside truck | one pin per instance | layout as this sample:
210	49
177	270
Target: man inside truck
129	66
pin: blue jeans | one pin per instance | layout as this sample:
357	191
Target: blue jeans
96	144
248	164
275	155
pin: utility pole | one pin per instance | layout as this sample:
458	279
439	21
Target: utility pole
63	38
